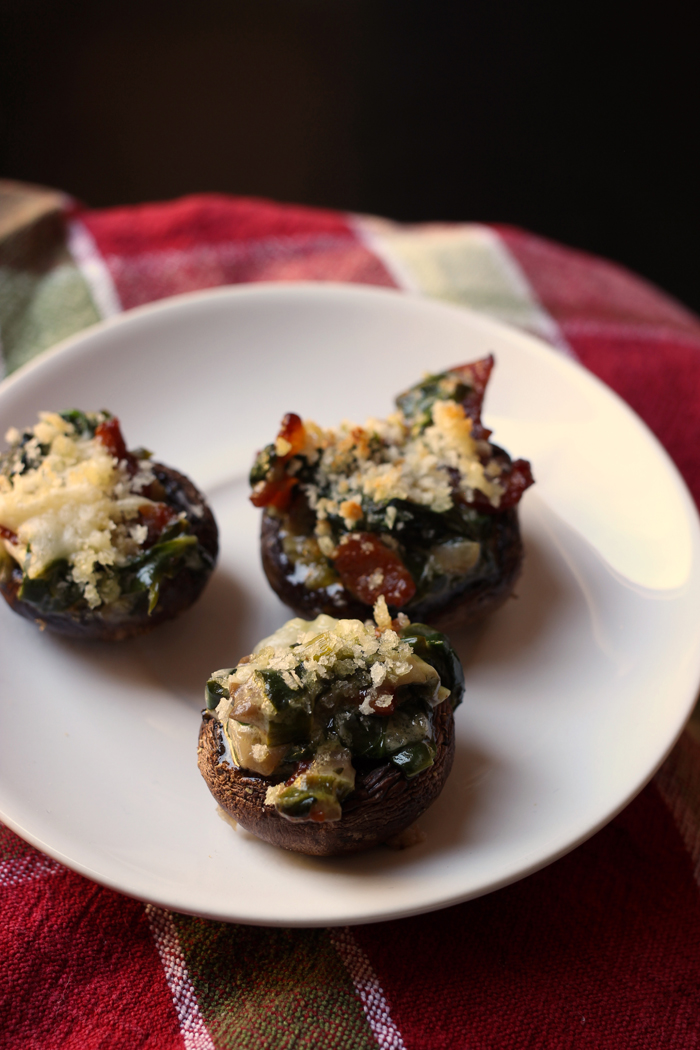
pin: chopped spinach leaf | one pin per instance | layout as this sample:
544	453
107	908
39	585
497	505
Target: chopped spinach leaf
296	803
53	591
293	727
298	753
215	691
85	425
148	571
417	402
263	462
363	735
413	759
435	648
278	692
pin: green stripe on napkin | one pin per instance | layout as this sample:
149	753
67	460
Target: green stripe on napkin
43	296
277	988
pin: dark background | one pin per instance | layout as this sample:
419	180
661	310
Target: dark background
577	125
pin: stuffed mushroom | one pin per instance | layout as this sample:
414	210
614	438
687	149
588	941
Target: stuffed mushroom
96	541
333	735
420	507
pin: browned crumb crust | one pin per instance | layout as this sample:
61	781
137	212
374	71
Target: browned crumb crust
473	601
176	594
383	803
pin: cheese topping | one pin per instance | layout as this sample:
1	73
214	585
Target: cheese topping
70	499
327	648
386	460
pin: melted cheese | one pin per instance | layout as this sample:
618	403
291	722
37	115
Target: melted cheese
71	506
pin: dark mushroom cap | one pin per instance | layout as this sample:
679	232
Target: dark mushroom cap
109	624
383	803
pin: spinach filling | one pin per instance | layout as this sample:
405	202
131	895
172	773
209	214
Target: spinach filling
85	423
424	539
55	591
441	551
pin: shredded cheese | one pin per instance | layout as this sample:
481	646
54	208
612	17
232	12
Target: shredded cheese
73	505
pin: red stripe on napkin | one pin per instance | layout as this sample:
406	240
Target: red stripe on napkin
80	971
156	250
578	288
205	218
599	951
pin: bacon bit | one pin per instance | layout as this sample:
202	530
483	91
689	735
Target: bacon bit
110	435
367	569
155	491
277	492
476	376
515	479
292	434
384	709
155	516
300	768
8	534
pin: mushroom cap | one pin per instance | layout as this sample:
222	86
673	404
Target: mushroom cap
176	594
383	803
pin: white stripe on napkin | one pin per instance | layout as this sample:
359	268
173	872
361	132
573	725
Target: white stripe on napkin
368	989
192	1027
82	246
26	868
466	264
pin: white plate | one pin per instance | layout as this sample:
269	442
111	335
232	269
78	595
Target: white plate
575	692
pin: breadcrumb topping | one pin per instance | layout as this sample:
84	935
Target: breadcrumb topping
304	651
386	460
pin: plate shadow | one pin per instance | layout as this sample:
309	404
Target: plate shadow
182	654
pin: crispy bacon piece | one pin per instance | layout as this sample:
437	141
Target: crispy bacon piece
110	435
276	490
379	703
155	516
476	376
367	569
516	477
292	431
517	480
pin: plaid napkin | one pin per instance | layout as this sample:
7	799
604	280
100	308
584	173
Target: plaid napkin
599	950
